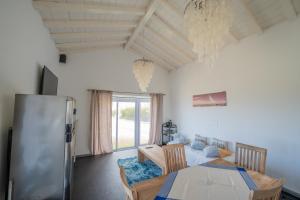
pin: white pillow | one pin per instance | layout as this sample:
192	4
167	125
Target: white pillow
211	151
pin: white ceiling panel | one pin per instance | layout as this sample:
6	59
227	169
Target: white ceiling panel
97	24
267	12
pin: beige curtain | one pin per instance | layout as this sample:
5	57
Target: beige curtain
101	124
156	108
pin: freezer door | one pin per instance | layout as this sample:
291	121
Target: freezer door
38	148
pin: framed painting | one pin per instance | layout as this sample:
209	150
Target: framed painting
211	99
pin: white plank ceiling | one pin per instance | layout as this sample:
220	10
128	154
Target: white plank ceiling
149	28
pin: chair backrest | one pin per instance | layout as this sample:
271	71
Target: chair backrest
251	157
272	193
130	195
175	157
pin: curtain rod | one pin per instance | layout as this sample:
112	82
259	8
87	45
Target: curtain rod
121	92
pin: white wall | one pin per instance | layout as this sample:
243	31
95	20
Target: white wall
109	69
24	46
261	75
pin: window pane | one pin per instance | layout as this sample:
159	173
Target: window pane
126	124
114	121
144	122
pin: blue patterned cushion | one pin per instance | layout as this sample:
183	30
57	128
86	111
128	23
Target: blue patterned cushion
136	172
198	145
211	151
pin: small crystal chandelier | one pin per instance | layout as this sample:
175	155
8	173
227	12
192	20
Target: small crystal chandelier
207	23
143	71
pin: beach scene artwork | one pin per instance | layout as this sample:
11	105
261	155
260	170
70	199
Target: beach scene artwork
211	99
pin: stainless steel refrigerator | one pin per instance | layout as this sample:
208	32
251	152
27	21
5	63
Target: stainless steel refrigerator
42	154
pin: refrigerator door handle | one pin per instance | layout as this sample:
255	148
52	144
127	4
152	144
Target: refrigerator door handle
10	190
68	133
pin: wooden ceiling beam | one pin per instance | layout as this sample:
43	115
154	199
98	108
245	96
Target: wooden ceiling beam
159	41
160	20
288	9
88	44
231	38
187	52
87	49
171	7
245	7
150	11
180	16
149	54
157	49
88	24
90	35
95	8
156	62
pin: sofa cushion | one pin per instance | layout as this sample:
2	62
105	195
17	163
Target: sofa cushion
211	151
199	138
224	153
198	145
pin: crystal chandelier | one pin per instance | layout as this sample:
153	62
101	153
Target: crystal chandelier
143	71
207	23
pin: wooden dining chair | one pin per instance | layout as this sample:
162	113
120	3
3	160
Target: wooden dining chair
272	193
129	192
251	157
144	190
175	157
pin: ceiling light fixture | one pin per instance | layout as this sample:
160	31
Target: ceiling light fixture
207	23
143	72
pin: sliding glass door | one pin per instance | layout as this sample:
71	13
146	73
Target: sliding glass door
144	122
130	121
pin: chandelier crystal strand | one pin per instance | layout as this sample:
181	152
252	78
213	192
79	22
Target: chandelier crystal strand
207	23
143	72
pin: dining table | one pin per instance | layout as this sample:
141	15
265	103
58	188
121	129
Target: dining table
217	179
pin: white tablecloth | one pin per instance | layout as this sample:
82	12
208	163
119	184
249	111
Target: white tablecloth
206	183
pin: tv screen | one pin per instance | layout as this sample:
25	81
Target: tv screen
48	83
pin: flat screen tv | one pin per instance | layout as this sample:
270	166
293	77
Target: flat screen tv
48	83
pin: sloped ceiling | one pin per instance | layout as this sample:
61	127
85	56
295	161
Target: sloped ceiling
149	28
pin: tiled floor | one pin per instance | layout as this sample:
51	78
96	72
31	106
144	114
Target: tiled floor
97	178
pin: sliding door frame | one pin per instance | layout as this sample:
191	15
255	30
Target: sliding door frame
137	128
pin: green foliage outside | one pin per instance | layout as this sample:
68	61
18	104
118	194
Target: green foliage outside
145	115
129	114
